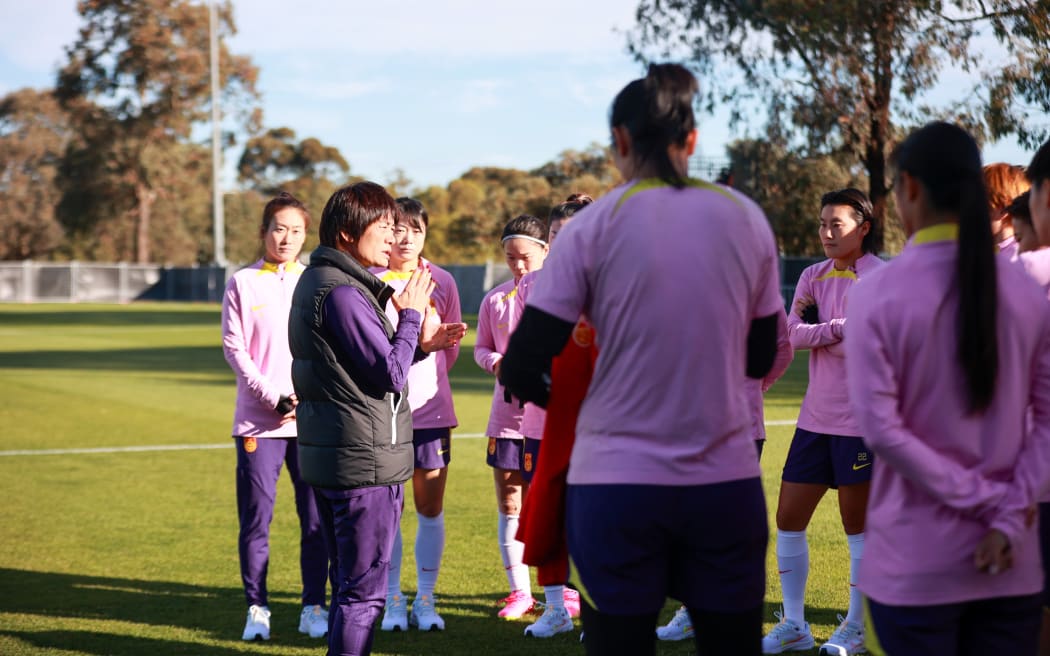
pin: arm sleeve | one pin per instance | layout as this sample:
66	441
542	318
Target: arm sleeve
1032	473
873	386
357	329
810	335
451	312
236	350
761	346
785	354
526	366
485	353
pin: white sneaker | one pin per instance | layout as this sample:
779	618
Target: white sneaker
395	616
552	622
847	640
313	621
679	628
788	635
423	615
258	625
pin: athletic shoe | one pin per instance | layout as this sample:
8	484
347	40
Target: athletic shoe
571	599
552	622
516	604
847	640
395	616
788	635
258	625
313	621
679	628
423	615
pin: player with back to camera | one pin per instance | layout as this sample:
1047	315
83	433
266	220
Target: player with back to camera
433	418
524	242
949	351
255	310
663	448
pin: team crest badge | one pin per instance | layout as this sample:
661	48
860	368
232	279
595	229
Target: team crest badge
250	445
583	334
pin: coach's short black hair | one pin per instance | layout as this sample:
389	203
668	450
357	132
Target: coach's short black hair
352	209
1039	169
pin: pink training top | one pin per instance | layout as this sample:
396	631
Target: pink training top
671	280
534	416
945	476
429	392
1008	247
825	407
497	318
255	311
756	388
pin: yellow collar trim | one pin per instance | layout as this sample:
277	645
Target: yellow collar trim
657	183
936	233
295	266
849	274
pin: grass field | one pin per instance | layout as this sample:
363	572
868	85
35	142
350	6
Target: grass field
133	552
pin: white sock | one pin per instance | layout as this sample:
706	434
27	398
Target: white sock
555	595
512	551
430	544
393	577
793	563
856	599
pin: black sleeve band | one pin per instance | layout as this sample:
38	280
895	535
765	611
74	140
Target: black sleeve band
761	346
525	368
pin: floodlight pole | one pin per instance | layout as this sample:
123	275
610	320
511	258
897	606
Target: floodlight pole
217	213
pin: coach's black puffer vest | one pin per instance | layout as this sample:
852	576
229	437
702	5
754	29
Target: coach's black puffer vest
351	434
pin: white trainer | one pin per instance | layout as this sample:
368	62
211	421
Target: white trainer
395	616
552	622
847	640
313	621
788	635
423	615
679	628
257	627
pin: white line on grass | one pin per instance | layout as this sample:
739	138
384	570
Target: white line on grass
225	445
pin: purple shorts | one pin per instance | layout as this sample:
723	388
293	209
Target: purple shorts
530	457
1001	625
636	545
433	447
1044	543
505	453
832	460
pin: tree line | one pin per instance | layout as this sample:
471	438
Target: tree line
108	165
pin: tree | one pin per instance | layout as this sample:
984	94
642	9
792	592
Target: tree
135	84
34	134
840	76
273	159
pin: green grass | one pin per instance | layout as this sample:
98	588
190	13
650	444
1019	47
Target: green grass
135	553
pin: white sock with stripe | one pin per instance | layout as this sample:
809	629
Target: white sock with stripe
512	551
793	564
856	599
555	595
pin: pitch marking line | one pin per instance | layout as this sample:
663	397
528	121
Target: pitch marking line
226	445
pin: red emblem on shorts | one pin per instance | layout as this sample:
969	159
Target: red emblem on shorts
528	462
492	446
250	445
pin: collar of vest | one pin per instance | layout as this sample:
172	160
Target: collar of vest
327	256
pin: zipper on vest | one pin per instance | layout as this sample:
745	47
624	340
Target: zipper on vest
393	419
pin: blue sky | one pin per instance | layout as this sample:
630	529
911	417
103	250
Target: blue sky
433	88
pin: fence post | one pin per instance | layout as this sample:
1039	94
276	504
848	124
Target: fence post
27	281
73	267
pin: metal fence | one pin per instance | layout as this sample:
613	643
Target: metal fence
83	282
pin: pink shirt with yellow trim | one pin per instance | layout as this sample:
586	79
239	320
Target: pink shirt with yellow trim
534	416
671	280
943	475
497	318
255	311
826	406
429	391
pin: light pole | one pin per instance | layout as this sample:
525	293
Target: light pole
217	211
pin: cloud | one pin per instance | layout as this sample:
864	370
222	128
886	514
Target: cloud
477	96
337	90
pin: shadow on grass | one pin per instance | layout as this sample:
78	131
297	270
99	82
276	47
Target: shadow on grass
181	359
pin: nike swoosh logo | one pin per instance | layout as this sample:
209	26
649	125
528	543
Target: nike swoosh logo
857	467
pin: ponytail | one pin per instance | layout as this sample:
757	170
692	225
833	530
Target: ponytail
947	161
